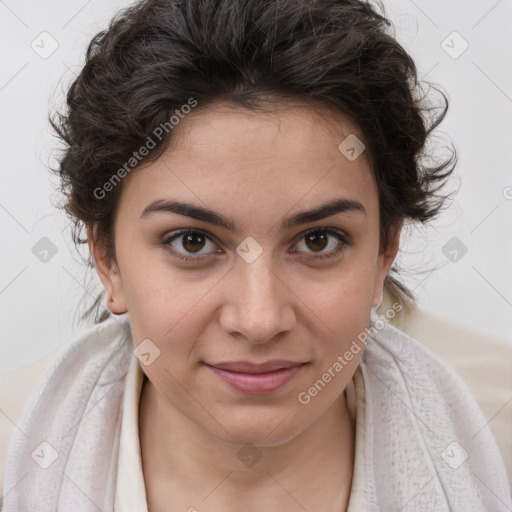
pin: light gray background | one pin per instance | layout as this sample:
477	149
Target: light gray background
38	301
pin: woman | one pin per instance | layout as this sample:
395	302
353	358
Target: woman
243	171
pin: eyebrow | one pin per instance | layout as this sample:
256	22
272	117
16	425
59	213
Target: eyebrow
339	205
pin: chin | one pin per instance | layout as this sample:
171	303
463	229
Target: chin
264	431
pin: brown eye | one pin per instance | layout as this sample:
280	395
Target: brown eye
193	242
187	242
318	239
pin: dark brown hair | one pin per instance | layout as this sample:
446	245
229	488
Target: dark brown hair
158	54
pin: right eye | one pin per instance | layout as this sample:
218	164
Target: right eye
192	240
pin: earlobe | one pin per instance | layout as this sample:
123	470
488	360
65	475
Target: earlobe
378	296
108	272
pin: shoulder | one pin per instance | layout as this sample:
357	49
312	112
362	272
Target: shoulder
95	342
16	389
483	363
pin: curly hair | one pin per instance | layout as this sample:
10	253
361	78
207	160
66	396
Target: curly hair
157	54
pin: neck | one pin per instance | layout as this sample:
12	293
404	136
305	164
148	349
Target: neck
181	458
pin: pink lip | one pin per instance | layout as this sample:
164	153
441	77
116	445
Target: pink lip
250	367
257	383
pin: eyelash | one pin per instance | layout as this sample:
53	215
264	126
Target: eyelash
322	257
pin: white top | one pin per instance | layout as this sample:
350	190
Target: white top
130	488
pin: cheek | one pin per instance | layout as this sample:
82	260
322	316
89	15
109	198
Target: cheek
348	294
170	311
347	321
159	296
345	308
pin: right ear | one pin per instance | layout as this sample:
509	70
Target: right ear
108	273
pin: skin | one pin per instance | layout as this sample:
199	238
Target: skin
256	169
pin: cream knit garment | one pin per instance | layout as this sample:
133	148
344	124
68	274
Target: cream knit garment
428	447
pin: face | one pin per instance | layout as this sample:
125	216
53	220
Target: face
244	272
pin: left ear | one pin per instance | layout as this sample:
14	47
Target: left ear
385	260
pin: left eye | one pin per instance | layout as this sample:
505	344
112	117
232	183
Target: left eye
318	238
193	241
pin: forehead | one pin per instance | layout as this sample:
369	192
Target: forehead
255	162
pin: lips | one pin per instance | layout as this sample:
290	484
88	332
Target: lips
250	367
256	378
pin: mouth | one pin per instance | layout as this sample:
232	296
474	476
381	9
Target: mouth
250	367
256	378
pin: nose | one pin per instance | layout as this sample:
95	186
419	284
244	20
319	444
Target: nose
259	304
